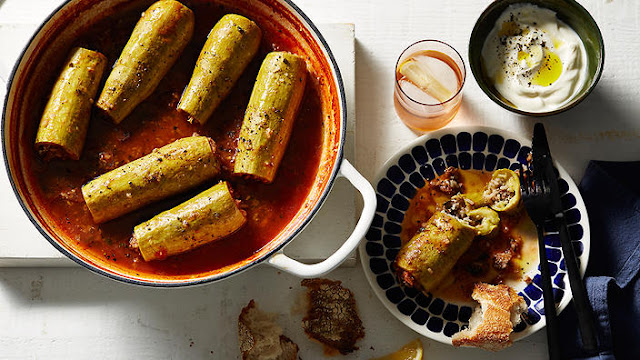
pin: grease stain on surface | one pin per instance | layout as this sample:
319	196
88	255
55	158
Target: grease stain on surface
36	289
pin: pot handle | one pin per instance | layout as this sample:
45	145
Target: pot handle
287	264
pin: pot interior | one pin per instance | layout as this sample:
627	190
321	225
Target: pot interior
296	194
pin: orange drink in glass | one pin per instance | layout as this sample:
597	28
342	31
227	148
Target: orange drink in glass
428	84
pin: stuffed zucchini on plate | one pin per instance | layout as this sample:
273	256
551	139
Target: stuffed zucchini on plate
414	189
465	227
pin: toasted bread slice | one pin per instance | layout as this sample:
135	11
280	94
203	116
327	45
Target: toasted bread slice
261	338
332	317
492	322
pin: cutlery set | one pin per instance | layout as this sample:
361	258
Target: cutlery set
541	198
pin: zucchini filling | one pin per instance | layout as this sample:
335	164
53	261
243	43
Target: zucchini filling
503	191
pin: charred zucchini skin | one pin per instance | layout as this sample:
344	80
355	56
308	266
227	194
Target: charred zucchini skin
431	254
270	115
209	216
230	47
166	171
64	123
157	40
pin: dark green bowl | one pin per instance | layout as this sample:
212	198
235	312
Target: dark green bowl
568	11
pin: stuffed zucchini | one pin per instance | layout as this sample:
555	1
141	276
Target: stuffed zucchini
171	169
209	216
158	39
483	219
269	117
231	45
64	123
502	193
431	254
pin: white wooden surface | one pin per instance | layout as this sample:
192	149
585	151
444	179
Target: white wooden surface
72	314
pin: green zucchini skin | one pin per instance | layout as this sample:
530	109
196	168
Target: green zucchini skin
64	123
157	41
171	169
230	47
209	216
270	115
487	221
431	254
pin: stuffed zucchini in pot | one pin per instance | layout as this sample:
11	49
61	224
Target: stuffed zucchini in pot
269	118
158	39
171	169
207	217
64	123
230	46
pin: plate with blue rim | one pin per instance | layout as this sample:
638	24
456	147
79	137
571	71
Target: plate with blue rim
474	148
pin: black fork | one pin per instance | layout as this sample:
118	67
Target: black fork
537	200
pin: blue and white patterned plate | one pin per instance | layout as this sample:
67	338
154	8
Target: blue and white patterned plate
479	148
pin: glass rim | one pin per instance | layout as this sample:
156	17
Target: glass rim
464	73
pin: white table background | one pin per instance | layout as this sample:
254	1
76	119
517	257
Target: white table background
70	313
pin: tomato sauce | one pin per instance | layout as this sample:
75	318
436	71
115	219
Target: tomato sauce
154	123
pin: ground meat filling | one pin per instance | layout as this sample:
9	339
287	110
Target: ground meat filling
448	183
459	207
497	191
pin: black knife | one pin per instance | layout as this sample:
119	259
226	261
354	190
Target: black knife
543	162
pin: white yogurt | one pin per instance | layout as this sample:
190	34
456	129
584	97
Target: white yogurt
535	61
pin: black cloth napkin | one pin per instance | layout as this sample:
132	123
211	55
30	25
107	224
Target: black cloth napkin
611	192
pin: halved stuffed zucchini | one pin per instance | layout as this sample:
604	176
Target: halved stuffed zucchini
502	193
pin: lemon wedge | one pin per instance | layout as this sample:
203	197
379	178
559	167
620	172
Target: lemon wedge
411	351
421	76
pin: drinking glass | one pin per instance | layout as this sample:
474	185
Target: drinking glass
415	105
